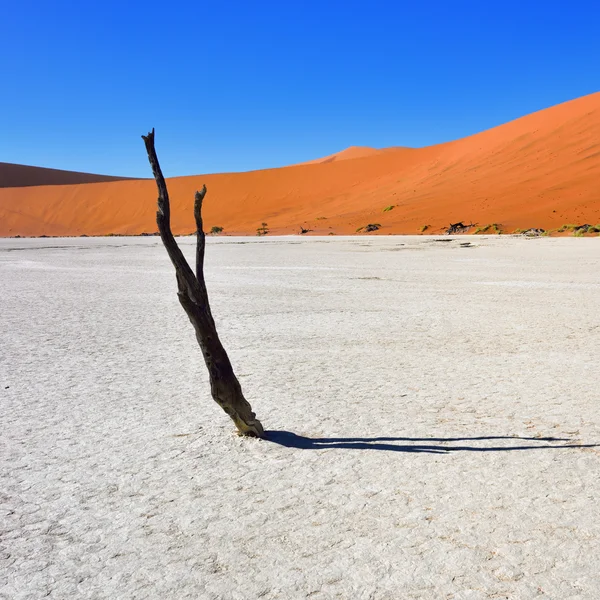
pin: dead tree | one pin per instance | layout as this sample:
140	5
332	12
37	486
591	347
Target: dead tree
459	228
191	291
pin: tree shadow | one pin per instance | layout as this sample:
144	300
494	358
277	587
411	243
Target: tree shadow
432	445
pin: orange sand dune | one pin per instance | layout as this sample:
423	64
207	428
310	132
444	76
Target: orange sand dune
539	171
23	176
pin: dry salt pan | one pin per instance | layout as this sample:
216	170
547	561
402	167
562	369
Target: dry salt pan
433	415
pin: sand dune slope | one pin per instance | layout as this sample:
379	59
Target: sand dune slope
541	170
12	175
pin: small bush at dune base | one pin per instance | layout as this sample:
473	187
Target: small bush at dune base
568	227
368	228
580	230
262	230
491	228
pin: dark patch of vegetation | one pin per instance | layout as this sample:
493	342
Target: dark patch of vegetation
388	208
321	218
303	230
368	228
563	228
424	228
216	230
532	232
262	230
579	230
491	228
460	227
587	228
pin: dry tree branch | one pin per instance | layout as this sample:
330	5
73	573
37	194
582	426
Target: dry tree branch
224	385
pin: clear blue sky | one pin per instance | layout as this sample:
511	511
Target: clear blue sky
233	86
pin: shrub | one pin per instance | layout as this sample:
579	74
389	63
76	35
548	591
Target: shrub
388	208
369	227
215	230
493	227
262	230
532	232
564	228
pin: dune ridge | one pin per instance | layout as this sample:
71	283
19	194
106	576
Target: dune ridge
13	175
347	154
541	170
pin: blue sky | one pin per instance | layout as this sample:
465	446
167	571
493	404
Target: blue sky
234	86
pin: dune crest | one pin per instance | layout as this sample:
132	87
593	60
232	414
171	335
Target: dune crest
541	170
12	175
348	153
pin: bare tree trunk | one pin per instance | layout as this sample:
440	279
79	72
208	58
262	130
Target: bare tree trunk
192	294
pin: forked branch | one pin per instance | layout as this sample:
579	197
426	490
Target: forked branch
193	297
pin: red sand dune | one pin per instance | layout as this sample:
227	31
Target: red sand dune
24	176
542	170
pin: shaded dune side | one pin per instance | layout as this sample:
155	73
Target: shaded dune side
12	175
539	171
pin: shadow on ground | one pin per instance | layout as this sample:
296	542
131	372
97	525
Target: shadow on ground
432	445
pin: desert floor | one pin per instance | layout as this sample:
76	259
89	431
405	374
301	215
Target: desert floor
433	413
